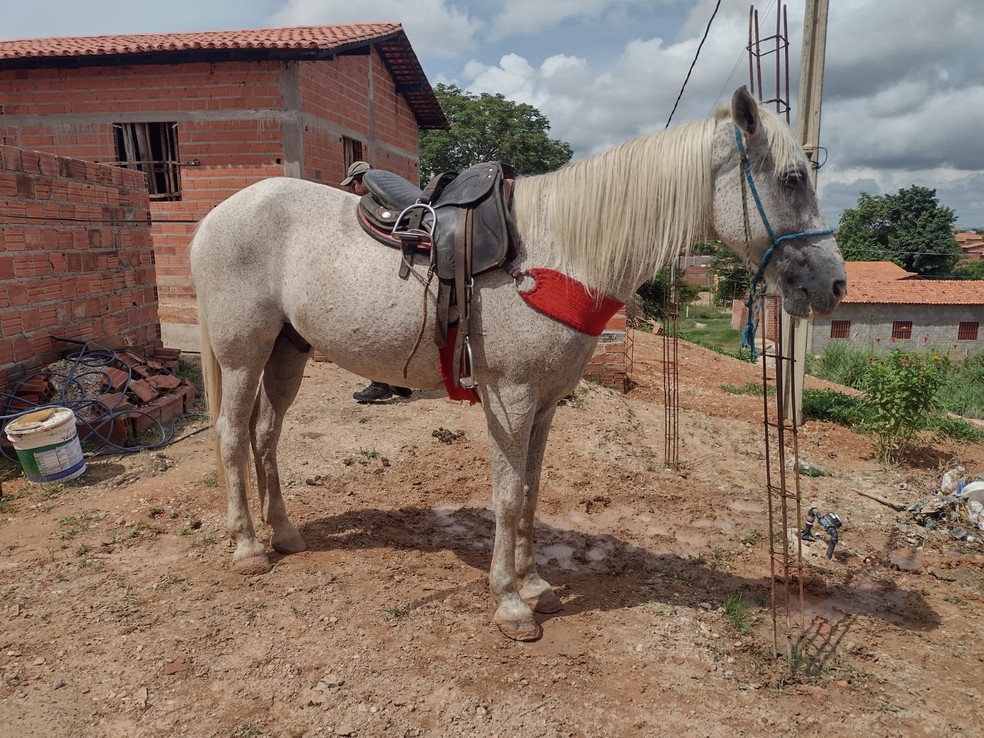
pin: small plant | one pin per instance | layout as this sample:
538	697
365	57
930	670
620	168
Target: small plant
211	479
736	612
399	612
750	538
369	453
75	524
900	390
249	731
155	512
7	505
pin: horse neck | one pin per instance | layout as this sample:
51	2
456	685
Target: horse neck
613	220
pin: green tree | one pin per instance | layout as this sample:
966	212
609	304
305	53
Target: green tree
910	228
973	270
655	294
489	128
732	277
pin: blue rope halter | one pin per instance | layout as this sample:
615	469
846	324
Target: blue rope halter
748	334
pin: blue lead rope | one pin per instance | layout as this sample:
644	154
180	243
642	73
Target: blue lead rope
751	325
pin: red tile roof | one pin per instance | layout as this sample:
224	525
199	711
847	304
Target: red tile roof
308	37
307	42
915	292
876	270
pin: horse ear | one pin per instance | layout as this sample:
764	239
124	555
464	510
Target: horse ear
744	111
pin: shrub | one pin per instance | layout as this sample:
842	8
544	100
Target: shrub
833	406
900	389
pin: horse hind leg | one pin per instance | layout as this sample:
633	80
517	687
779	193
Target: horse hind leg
232	428
281	380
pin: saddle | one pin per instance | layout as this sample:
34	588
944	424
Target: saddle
463	222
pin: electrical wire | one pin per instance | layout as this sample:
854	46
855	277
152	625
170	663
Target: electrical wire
700	46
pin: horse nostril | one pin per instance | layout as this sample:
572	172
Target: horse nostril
840	288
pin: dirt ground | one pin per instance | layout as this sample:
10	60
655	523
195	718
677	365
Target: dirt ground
121	615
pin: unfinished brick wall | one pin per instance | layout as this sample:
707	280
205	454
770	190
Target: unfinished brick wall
608	365
76	258
237	122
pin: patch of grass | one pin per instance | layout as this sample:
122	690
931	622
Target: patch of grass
750	538
945	426
155	512
833	406
191	371
249	730
74	524
398	612
737	614
211	479
752	388
7	506
369	453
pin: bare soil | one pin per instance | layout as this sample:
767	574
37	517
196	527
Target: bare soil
120	614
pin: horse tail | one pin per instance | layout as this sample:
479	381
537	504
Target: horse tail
212	381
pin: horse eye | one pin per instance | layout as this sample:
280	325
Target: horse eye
793	179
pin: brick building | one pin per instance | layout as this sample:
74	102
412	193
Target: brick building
205	114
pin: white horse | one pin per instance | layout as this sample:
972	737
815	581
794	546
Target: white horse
289	251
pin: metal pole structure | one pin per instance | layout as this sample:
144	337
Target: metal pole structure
808	133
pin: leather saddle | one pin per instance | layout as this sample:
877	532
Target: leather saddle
463	221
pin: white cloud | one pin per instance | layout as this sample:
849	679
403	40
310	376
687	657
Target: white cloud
528	18
434	25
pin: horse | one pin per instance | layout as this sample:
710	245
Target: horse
286	251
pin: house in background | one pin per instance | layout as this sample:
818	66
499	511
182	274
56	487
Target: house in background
972	245
203	115
887	308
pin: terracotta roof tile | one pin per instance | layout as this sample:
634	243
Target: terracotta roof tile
916	292
875	270
304	42
304	37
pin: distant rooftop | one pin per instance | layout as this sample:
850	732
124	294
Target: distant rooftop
876	270
915	292
307	42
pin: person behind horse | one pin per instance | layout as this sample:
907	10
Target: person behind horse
376	391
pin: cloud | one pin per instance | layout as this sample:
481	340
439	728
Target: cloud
527	18
435	25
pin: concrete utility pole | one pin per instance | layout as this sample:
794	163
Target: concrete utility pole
808	133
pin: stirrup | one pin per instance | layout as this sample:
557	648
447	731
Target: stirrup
467	382
409	232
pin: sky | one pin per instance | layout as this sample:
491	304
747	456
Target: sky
903	94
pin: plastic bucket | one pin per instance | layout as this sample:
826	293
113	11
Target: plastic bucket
47	445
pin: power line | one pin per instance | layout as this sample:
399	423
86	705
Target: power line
700	46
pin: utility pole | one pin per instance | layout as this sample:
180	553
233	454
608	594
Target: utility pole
808	133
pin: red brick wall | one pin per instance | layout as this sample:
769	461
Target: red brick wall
232	117
608	365
71	278
335	101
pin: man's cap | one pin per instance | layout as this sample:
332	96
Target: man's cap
356	168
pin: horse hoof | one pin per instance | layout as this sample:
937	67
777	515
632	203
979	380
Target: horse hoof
520	630
546	602
288	544
253	565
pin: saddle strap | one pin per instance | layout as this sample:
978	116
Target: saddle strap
462	269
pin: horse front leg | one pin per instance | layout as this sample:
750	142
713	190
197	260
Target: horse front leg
509	421
281	379
534	590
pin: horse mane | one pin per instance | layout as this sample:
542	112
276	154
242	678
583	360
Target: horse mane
619	216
